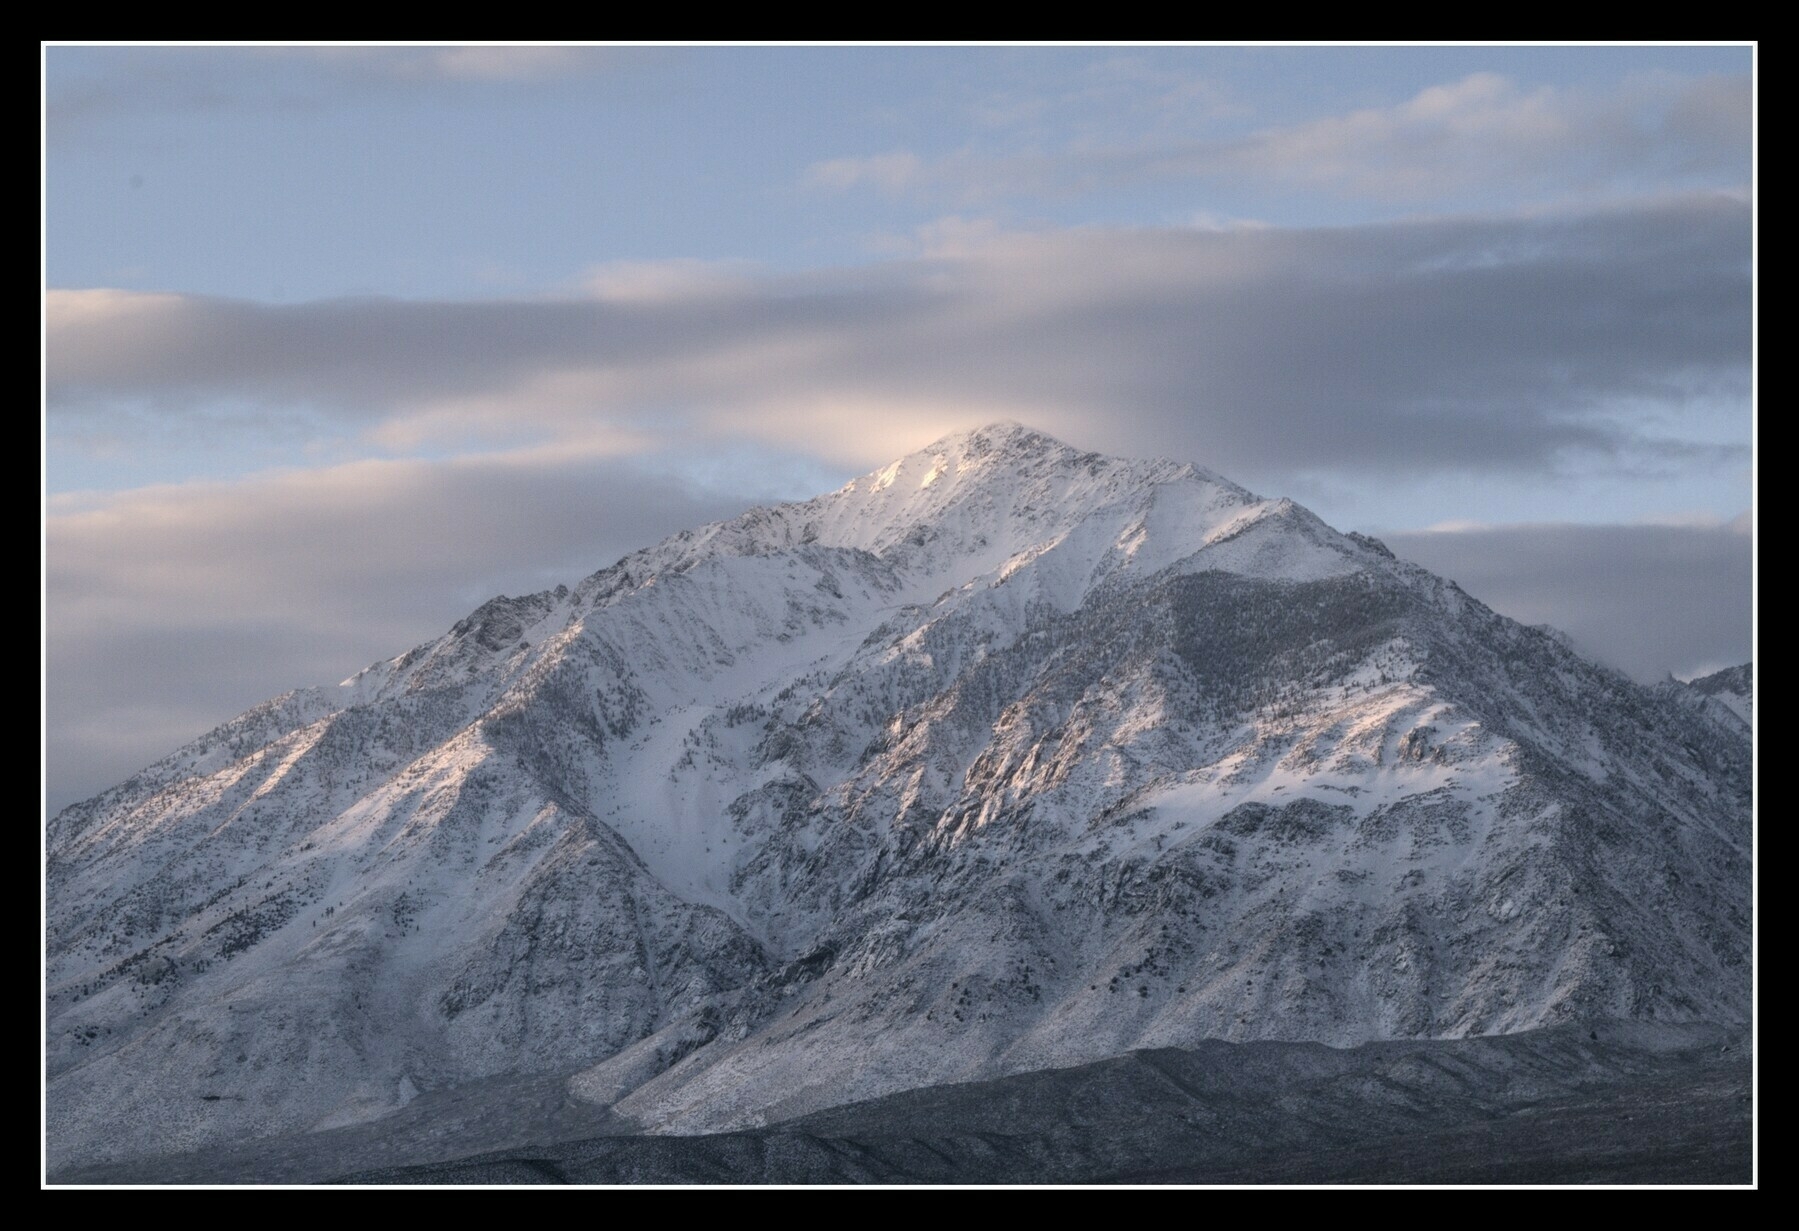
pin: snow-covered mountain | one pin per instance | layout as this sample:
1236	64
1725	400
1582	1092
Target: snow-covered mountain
1005	756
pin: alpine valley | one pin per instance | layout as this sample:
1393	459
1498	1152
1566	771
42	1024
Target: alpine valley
1004	758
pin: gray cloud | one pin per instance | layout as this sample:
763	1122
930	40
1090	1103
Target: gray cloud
171	609
1404	347
1483	132
1647	599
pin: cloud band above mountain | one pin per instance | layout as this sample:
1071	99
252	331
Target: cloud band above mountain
1468	344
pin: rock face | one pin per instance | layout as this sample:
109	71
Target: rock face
1006	756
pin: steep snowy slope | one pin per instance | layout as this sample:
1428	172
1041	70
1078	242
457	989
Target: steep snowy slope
1733	688
1001	757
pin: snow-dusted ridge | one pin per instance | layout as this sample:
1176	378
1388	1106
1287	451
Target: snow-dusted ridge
1733	688
1002	756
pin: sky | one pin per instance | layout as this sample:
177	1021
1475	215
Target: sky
341	341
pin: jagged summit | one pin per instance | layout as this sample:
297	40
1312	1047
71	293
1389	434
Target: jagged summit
1008	443
1001	756
999	439
1008	449
999	436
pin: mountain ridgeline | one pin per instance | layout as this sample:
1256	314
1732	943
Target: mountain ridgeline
1002	758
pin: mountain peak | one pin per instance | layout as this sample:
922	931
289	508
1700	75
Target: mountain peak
1021	450
974	499
1001	434
1001	440
1007	440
